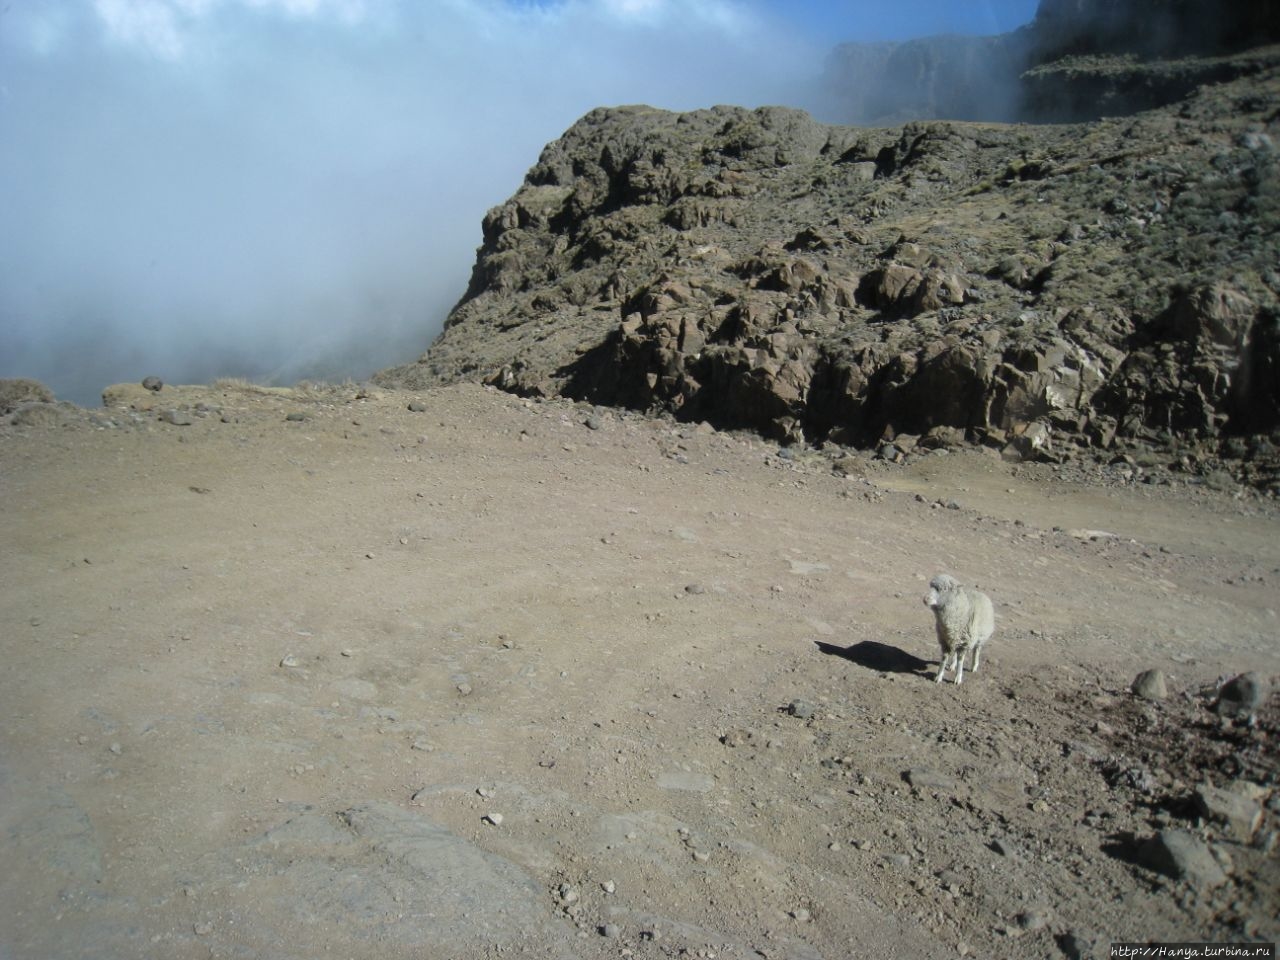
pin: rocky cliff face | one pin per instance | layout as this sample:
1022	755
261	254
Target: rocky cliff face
1049	291
1077	60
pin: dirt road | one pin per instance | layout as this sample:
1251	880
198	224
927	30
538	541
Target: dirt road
507	678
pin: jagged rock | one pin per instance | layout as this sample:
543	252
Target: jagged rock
1048	291
1236	807
1183	856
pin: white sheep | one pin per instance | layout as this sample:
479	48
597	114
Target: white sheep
965	619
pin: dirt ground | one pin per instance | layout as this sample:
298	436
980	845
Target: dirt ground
505	678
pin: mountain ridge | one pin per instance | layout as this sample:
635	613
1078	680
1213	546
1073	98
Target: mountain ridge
1101	289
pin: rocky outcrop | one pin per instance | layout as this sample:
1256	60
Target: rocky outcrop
15	393
1048	291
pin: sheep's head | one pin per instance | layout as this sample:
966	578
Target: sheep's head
939	586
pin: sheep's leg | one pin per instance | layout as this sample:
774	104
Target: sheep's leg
960	666
942	667
977	650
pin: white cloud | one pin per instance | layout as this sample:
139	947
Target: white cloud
203	187
152	25
167	28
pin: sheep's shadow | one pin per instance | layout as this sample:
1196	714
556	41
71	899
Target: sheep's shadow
877	656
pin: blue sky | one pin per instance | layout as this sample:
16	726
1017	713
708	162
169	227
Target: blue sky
194	188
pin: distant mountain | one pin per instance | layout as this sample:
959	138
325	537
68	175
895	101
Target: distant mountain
1077	60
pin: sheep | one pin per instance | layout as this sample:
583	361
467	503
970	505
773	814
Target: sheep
964	618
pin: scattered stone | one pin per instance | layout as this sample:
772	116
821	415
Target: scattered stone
1242	695
695	588
1003	847
736	738
593	422
154	384
203	929
926	778
1233	808
290	661
801	709
493	818
1150	685
611	930
608	886
1182	856
897	859
1033	919
417	406
179	418
1087	534
296	417
1079	945
464	689
800	915
686	781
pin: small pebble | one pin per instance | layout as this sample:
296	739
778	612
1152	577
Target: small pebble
289	661
494	818
608	886
611	930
